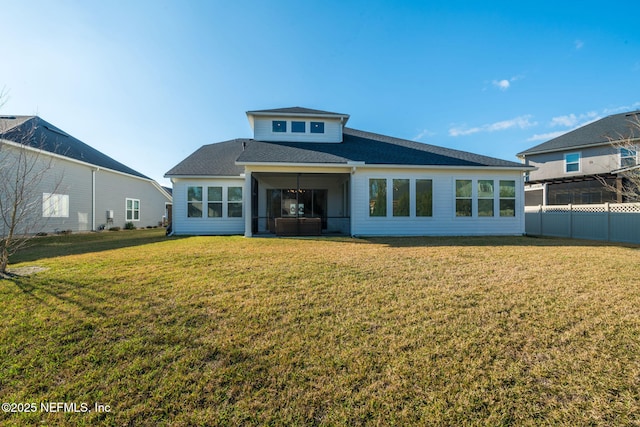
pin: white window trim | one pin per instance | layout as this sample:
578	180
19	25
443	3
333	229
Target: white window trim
636	158
579	162
55	205
126	209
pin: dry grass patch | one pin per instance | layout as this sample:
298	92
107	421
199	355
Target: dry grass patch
235	331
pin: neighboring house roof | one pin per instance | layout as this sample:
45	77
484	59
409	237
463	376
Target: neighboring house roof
227	158
38	133
603	131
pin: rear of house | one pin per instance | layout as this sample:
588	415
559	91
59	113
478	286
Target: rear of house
304	172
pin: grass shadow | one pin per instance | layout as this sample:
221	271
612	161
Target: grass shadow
76	244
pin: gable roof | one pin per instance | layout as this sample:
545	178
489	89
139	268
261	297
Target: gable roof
600	132
37	133
228	158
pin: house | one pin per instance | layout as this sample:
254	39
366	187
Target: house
305	172
571	167
80	188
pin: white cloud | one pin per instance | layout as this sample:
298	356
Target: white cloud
579	44
547	136
571	120
502	84
422	134
521	122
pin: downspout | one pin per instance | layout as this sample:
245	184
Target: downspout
93	199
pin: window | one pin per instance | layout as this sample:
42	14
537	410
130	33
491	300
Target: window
572	162
132	210
400	197
234	198
507	198
55	205
214	202
298	127
485	197
317	127
424	197
194	202
377	197
279	126
464	201
628	157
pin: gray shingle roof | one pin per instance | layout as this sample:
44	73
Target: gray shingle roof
357	146
212	160
600	132
38	133
296	110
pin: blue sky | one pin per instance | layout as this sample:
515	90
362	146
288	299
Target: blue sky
148	82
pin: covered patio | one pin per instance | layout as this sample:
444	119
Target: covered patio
299	204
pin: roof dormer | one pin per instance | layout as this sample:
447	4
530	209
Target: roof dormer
297	124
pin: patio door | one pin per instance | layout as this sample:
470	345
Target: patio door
296	203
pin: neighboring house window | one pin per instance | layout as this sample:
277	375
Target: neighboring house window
234	197
628	157
194	202
317	127
55	205
572	162
485	197
132	210
424	197
214	202
279	126
400	197
298	127
377	197
464	200
507	198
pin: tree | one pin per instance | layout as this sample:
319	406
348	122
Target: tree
628	145
23	168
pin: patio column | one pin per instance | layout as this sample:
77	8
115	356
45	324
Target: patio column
247	198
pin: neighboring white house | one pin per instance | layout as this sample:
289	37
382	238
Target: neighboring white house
82	188
304	172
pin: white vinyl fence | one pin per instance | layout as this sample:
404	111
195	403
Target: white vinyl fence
616	222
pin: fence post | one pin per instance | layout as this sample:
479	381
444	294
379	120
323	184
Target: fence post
607	211
540	220
570	221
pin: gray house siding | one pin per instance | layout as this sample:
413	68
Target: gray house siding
112	190
593	161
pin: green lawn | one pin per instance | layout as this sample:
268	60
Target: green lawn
236	331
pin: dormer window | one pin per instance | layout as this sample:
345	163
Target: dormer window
279	126
317	127
298	127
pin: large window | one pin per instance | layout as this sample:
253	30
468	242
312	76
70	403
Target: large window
485	197
400	197
507	198
464	197
377	197
55	205
424	197
572	162
194	202
214	202
132	209
234	198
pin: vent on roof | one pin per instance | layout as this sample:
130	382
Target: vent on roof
8	117
633	113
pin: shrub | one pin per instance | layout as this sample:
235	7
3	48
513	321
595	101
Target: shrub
114	229
129	226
